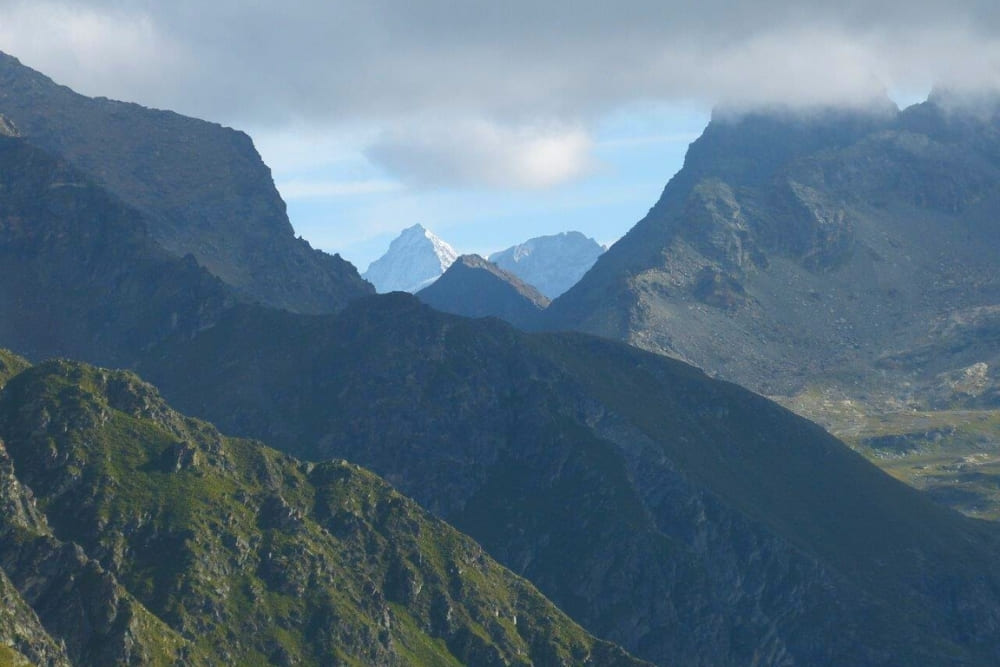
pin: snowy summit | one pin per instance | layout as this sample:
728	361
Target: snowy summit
415	259
552	264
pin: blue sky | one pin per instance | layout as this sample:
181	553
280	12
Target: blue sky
348	205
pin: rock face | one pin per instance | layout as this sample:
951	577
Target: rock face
202	188
474	287
415	259
685	518
794	248
82	275
551	264
151	539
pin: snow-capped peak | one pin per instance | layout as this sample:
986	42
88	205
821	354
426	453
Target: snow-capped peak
415	259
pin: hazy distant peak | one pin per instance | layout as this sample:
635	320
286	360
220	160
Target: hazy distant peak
552	264
955	99
415	258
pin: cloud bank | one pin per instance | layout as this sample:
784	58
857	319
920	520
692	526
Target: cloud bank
507	86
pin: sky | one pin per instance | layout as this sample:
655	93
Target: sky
492	122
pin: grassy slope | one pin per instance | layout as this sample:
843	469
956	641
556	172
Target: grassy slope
256	558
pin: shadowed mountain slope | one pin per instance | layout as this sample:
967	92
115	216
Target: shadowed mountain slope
685	518
474	287
201	187
82	276
844	263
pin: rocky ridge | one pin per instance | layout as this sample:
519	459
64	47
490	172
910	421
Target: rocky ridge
140	536
839	261
202	189
650	502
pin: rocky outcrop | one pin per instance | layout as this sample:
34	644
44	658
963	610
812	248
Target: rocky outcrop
201	187
151	539
798	249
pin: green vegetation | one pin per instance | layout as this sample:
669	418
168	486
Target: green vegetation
238	554
953	455
10	365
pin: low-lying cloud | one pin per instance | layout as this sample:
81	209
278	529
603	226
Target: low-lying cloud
502	71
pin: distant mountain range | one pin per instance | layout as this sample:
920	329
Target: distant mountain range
683	518
549	264
552	264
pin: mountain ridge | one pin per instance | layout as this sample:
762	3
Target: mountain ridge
683	517
202	188
233	552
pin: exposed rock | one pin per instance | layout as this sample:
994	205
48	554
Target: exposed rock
201	187
239	557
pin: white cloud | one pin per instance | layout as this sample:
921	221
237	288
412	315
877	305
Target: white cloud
97	50
475	152
421	77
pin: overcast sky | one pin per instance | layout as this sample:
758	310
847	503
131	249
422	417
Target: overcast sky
491	122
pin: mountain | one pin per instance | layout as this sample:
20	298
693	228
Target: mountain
840	261
793	247
415	259
474	287
137	535
684	518
83	277
552	264
202	189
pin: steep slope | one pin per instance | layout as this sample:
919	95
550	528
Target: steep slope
792	249
843	262
239	554
687	519
474	287
551	264
414	259
202	188
82	276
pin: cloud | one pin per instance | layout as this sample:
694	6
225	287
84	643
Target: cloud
99	51
501	71
476	152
